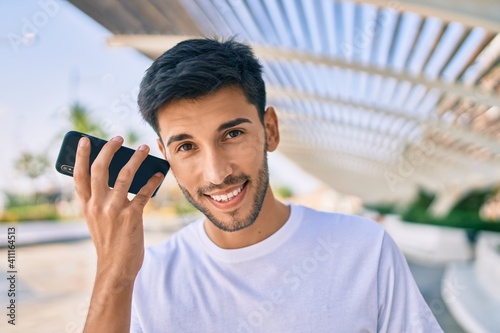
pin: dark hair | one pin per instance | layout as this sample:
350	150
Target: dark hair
196	68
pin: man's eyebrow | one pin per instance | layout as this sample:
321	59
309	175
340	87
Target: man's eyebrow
233	123
229	124
178	137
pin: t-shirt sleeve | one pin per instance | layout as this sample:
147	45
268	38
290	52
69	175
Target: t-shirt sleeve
401	305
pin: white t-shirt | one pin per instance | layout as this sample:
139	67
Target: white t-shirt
321	272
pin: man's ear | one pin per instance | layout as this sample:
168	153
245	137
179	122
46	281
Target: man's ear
271	127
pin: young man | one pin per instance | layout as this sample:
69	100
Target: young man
253	264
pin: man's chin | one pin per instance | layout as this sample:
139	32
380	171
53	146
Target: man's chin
230	225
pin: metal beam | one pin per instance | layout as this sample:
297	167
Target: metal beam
157	44
452	88
302	120
294	94
434	169
140	17
477	13
458	133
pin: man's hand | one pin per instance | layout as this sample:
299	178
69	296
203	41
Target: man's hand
115	224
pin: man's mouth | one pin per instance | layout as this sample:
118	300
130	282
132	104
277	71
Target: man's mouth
228	196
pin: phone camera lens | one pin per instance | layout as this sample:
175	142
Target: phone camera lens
67	168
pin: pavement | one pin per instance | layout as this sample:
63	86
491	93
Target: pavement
54	278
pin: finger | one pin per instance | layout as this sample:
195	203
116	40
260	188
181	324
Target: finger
81	171
99	172
143	196
127	173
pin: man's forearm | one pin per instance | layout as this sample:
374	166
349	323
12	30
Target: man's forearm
111	302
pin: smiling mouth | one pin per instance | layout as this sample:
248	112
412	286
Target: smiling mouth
227	197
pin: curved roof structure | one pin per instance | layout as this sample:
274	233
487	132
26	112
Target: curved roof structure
375	98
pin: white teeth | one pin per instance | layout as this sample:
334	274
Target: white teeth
228	196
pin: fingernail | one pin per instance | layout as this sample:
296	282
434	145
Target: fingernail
158	174
117	138
143	147
83	142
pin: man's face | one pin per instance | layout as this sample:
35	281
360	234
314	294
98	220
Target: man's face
217	149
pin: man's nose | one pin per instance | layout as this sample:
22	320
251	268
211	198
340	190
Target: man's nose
216	166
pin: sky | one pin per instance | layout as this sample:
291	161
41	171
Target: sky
52	55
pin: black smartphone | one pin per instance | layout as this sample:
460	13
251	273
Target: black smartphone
151	165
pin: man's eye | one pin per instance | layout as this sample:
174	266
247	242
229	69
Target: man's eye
234	133
185	147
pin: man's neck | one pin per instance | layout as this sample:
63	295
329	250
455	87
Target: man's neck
272	217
